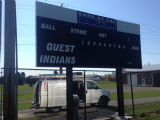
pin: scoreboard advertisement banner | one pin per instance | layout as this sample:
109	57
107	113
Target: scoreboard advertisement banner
70	38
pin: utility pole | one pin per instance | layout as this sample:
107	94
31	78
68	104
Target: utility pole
9	108
0	57
0	27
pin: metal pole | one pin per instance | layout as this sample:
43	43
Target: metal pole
69	93
0	27
61	72
132	95
120	92
0	52
9	63
16	65
1	93
85	95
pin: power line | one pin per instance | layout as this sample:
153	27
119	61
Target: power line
20	44
151	30
25	25
85	10
150	53
151	33
150	40
78	8
25	5
106	15
25	9
33	35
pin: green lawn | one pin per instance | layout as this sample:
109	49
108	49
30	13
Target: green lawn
106	84
143	108
25	105
24	87
139	109
150	118
28	95
140	94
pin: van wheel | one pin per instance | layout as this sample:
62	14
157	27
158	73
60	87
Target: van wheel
55	109
103	102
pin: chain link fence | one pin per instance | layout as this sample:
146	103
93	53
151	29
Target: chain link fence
145	88
42	94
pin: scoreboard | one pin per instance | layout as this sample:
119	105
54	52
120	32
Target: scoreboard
70	38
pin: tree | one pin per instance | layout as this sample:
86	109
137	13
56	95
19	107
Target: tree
31	80
102	77
107	78
20	80
23	75
113	76
148	63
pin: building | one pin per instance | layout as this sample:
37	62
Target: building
149	75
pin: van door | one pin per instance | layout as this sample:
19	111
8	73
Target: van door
92	93
37	95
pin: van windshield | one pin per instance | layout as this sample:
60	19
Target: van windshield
92	85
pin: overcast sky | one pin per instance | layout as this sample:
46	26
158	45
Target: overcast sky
143	12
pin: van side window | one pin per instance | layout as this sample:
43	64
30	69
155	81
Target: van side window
91	85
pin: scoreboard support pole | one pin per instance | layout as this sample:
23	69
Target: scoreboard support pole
120	92
69	93
60	70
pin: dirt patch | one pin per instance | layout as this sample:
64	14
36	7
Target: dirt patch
149	115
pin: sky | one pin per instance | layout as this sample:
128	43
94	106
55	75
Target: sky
143	12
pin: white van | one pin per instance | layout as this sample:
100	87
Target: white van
51	94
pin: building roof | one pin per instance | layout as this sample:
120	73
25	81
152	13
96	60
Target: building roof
147	68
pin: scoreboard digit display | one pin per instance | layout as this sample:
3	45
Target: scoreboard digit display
70	38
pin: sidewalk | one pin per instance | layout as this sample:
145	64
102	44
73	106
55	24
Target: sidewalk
95	114
113	118
104	115
98	118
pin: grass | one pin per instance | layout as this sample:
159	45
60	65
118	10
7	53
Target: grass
24	87
139	109
25	105
151	118
28	95
143	108
106	84
140	94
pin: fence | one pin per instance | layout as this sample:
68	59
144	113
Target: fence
46	90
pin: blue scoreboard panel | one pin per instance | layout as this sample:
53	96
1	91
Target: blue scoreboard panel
69	38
